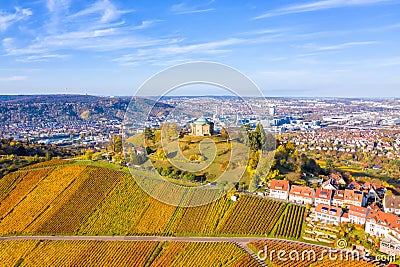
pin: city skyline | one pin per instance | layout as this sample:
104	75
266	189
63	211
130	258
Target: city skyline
328	48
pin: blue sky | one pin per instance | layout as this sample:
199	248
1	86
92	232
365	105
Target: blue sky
347	48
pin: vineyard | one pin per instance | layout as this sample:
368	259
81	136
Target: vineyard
251	216
78	199
17	185
303	255
53	162
7	183
122	253
87	200
54	200
200	220
38	200
74	205
291	222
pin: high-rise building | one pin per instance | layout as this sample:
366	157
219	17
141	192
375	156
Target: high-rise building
272	111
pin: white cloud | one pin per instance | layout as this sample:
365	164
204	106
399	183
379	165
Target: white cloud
145	24
104	8
184	8
98	27
266	31
40	58
13	78
7	19
315	6
56	5
336	46
345	45
165	52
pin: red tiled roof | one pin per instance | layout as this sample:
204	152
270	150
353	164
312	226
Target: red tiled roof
302	191
323	193
392	202
353	195
282	185
389	220
358	211
339	194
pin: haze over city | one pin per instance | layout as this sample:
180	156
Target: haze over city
289	48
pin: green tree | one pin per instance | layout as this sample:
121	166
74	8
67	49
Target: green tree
149	135
89	154
137	159
117	144
329	166
48	156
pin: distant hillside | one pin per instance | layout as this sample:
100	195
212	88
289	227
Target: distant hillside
64	108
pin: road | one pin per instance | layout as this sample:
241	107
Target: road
138	238
240	240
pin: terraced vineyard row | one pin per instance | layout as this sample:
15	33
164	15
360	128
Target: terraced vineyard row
303	255
19	188
251	216
200	220
38	200
291	222
122	253
122	208
52	162
8	182
76	203
203	254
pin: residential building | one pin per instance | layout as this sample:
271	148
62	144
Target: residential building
375	192
301	194
328	214
338	198
354	197
354	186
279	189
345	218
323	196
389	246
358	215
338	178
330	184
382	224
391	204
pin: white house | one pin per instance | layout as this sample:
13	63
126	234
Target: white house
330	184
354	197
382	224
338	178
391	204
279	189
389	245
301	194
358	215
323	196
338	198
328	214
